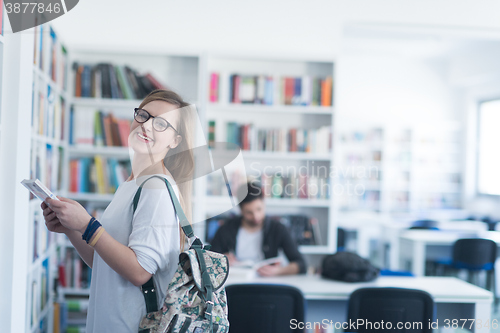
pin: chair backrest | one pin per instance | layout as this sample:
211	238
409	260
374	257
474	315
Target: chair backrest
411	307
474	253
263	308
340	239
424	224
421	227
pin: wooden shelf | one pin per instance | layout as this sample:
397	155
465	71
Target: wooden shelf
107	102
276	202
74	291
274	155
86	151
51	141
296	109
90	197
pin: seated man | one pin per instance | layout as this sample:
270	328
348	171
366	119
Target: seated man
253	236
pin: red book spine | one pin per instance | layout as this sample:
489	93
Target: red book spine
124	129
214	87
236	87
73	178
289	90
154	81
293	139
62	276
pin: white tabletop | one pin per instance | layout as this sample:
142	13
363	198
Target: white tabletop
445	237
442	289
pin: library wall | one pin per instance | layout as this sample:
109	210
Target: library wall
390	89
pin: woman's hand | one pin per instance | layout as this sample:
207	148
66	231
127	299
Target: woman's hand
51	221
69	213
270	270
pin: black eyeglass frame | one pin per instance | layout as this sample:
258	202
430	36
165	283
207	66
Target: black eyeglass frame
136	110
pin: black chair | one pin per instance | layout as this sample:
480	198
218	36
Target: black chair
392	306
475	255
264	308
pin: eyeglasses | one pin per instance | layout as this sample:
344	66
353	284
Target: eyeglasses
159	124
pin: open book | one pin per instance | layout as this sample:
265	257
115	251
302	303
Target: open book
38	189
257	265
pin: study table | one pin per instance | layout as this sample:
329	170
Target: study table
328	299
393	233
416	246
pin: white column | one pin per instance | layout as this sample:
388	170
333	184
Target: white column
17	78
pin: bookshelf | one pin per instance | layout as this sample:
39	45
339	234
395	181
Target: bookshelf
403	168
265	105
48	148
28	250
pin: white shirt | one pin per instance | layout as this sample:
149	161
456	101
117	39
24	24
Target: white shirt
249	245
115	304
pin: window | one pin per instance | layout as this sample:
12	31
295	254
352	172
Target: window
488	154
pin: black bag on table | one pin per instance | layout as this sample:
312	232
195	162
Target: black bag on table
348	267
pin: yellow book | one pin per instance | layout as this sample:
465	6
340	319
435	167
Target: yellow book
101	186
57	318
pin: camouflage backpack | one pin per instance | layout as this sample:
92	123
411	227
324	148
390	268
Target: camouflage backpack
195	300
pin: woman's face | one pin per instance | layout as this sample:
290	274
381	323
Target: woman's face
144	139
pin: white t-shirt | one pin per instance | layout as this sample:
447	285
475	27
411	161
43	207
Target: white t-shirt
115	304
249	245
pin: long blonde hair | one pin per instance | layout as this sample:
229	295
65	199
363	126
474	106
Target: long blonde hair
180	160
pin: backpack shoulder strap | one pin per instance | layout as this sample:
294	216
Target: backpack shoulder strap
186	226
147	289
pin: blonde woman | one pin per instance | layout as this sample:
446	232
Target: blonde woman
125	249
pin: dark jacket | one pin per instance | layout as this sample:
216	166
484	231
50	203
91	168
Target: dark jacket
275	237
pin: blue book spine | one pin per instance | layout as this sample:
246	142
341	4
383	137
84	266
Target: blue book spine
297	91
113	179
269	89
231	88
85	174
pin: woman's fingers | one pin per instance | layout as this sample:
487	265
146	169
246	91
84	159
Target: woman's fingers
51	216
47	211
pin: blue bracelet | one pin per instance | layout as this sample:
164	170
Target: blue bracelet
89	226
91	229
94	228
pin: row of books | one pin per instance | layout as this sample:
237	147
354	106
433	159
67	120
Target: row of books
47	113
249	137
40	292
97	174
439	201
90	127
295	186
46	165
373	135
73	272
42	238
275	185
269	90
70	316
106	80
50	56
366	158
364	200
